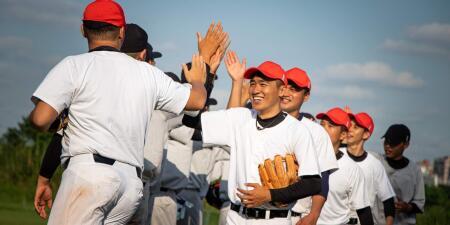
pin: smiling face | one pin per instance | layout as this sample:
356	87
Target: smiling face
265	94
293	97
356	134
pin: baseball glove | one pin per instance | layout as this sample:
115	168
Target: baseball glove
279	172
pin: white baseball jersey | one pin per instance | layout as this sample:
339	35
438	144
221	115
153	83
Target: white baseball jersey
408	186
177	163
110	97
325	157
155	142
377	184
347	192
236	128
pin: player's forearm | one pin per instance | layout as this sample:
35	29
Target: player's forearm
52	157
316	207
389	210
305	187
197	98
365	216
235	95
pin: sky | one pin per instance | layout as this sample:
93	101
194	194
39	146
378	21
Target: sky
390	59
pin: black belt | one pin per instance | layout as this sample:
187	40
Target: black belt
257	213
353	221
108	161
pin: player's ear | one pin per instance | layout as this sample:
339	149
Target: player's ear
306	96
82	31
122	33
366	135
142	54
343	134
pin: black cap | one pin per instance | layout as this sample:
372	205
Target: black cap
151	54
173	76
135	39
396	134
307	115
211	101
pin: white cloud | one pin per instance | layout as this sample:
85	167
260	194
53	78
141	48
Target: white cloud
166	46
41	12
415	48
428	39
374	71
433	32
347	92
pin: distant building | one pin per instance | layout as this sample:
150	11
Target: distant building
429	178
442	170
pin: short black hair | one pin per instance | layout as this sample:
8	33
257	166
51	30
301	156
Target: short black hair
95	30
297	88
264	77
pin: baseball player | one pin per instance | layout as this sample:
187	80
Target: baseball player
151	55
111	96
298	92
375	177
347	189
257	139
405	177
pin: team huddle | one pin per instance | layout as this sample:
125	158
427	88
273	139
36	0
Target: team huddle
141	146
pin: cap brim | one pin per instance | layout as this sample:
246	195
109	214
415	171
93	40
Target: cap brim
250	71
155	55
320	116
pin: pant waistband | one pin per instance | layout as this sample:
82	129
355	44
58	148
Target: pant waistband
258	213
105	160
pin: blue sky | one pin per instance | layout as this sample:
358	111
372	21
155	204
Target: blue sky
388	58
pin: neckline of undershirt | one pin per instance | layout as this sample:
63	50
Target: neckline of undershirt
270	122
357	158
397	164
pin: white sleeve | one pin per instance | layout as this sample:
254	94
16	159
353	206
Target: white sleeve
58	86
384	187
171	96
357	194
305	153
218	126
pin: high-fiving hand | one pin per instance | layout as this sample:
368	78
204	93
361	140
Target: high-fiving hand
208	45
197	73
235	68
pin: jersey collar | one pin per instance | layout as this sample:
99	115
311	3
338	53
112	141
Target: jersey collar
104	48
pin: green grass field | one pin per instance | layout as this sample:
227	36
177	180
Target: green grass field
24	214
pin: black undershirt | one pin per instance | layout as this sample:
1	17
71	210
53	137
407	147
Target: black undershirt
397	164
305	187
339	155
52	157
365	216
262	124
104	48
357	158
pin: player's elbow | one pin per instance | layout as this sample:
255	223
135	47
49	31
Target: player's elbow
316	185
38	122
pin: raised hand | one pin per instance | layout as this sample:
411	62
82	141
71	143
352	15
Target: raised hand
197	73
43	196
208	45
235	68
347	109
218	56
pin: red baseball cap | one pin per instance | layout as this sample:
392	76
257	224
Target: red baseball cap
107	11
299	77
363	120
269	69
337	116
